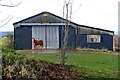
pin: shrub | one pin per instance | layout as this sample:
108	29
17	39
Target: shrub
17	66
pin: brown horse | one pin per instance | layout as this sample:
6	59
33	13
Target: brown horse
37	42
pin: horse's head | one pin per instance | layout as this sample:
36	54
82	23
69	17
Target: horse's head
33	39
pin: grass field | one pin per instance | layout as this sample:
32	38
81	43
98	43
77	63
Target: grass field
92	61
95	62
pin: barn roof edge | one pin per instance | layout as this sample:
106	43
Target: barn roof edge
62	19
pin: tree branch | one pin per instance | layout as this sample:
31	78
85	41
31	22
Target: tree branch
8	18
77	9
5	19
5	5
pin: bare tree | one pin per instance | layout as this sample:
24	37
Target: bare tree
3	22
67	12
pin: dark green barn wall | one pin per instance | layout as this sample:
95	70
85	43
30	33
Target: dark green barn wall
71	37
106	42
60	36
22	37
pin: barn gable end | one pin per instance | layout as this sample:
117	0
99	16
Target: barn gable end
44	17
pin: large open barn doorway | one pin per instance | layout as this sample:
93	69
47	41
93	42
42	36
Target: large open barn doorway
49	35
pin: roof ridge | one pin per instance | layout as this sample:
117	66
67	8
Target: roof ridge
62	19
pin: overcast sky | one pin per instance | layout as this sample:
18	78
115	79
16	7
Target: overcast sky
95	13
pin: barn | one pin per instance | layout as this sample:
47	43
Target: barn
49	28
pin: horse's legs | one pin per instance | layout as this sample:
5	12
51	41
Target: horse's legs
34	46
40	47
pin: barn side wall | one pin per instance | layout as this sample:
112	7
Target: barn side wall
22	37
71	37
106	42
60	37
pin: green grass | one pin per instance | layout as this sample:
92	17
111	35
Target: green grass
96	64
94	61
46	57
89	63
91	60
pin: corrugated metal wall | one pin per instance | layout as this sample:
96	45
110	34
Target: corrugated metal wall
83	30
52	38
106	42
22	37
49	35
71	37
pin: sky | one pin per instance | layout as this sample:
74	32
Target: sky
95	13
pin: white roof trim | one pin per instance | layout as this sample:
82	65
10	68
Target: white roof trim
42	24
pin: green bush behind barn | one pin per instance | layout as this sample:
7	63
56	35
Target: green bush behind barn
3	41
